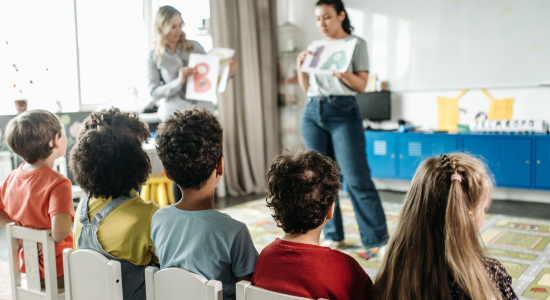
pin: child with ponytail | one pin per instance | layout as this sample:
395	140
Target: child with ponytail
435	252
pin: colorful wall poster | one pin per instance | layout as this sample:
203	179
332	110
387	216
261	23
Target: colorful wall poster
329	56
224	54
203	84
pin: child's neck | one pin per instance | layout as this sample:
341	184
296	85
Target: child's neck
311	237
195	200
48	162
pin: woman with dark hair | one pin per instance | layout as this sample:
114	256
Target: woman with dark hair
332	125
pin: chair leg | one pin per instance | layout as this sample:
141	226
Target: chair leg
162	195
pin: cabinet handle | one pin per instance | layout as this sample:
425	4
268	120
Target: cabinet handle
393	156
401	156
527	162
538	162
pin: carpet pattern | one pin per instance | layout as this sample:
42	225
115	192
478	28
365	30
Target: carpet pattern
520	244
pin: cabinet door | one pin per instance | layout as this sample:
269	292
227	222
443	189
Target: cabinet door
414	149
509	159
542	167
381	152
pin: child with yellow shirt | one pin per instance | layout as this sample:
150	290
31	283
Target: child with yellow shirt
109	164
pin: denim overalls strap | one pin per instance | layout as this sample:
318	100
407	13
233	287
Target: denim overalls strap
133	276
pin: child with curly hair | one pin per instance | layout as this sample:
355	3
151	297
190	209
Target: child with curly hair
110	165
35	195
302	187
192	234
435	252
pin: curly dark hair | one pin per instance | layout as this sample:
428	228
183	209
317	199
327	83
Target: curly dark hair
118	119
108	160
190	145
302	186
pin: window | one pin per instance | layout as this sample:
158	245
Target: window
38	55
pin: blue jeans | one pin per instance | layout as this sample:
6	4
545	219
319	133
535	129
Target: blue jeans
332	126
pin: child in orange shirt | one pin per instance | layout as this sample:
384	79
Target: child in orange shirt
34	195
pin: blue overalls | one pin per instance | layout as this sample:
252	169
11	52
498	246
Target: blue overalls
133	277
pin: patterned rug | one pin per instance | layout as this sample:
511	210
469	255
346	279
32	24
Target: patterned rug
520	244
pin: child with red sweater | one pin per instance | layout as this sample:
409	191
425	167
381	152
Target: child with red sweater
34	195
302	188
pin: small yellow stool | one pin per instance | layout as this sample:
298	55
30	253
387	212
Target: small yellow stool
158	189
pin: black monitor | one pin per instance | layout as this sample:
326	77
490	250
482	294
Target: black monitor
375	106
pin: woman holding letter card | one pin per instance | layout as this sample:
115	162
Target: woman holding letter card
167	64
332	124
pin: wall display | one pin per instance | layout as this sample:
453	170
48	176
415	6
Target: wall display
223	75
329	56
510	126
203	84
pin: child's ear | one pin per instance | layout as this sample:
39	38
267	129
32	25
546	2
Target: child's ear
220	167
168	175
54	142
330	212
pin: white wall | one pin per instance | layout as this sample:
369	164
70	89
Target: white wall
420	108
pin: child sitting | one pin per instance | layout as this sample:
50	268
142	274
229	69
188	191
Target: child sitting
302	188
192	234
34	195
110	165
435	252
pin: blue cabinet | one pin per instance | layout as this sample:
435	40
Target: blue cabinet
542	163
415	148
516	161
508	157
381	154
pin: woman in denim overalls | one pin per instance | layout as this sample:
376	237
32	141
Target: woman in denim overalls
332	125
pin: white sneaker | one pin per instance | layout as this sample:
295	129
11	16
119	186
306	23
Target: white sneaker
382	251
333	244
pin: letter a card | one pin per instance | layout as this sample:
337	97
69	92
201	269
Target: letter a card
203	85
329	56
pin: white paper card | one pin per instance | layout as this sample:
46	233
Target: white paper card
203	84
224	54
329	56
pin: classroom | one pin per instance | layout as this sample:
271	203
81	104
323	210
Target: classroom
274	149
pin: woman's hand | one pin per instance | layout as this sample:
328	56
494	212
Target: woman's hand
301	57
233	65
184	73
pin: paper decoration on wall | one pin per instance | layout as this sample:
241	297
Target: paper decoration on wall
329	56
448	113
499	109
203	84
223	76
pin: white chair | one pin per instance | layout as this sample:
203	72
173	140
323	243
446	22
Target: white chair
60	165
246	291
177	283
90	275
30	288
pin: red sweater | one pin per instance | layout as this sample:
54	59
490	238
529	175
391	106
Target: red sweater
311	271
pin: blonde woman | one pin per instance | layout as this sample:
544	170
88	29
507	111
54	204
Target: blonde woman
167	64
435	252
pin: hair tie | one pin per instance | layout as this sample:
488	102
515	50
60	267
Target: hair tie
99	121
456	177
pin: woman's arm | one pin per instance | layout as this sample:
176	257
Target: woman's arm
158	89
303	78
355	81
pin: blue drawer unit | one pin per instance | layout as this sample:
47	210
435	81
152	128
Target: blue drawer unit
415	148
381	153
509	157
542	164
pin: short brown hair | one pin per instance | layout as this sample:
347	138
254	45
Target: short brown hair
302	186
29	134
190	145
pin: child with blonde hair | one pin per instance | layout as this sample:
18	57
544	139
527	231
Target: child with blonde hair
435	252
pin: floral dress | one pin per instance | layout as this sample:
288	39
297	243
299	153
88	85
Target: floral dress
498	275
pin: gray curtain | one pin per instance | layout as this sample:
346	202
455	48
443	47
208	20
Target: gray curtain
248	108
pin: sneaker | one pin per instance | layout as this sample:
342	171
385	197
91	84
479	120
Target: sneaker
333	244
382	251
